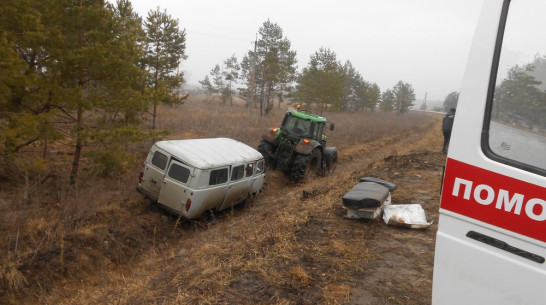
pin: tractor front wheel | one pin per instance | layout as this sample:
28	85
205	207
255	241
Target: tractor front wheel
330	160
266	149
307	166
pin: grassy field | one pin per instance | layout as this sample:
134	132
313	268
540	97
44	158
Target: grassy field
100	242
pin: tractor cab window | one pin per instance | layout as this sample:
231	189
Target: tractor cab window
319	128
296	126
517	125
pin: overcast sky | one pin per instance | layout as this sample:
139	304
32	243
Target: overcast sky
421	42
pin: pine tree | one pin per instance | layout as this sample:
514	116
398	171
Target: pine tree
322	82
355	88
24	115
276	64
387	101
373	95
451	100
231	75
165	49
404	96
216	86
77	79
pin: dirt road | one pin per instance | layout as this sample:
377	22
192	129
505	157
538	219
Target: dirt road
398	266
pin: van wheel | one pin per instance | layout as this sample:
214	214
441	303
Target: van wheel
307	166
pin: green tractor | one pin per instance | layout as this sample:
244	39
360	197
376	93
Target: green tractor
298	147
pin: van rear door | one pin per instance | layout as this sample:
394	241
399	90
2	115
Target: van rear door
153	172
174	187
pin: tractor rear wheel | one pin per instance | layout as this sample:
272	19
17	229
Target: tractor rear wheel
307	166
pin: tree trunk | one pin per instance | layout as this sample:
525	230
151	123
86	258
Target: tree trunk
230	94
78	151
262	100
154	115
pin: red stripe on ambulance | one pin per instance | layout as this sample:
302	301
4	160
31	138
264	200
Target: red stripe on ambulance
495	199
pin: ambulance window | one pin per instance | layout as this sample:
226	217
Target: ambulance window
237	173
218	176
159	160
517	126
179	173
249	169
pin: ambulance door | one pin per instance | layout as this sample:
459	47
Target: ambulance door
491	240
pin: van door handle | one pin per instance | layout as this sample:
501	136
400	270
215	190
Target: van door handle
491	241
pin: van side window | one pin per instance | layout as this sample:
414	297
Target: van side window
517	126
179	173
249	169
218	176
260	167
159	160
237	172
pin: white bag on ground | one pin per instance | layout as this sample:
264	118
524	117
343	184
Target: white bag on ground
406	215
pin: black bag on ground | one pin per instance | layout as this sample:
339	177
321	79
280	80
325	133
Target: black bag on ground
365	195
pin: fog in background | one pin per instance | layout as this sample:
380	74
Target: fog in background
421	42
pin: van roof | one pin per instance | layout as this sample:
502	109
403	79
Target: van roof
210	152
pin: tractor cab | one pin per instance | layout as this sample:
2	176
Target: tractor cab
297	126
303	124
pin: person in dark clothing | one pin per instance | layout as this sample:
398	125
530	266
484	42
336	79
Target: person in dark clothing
447	125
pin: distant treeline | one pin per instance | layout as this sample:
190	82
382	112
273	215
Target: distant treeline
268	73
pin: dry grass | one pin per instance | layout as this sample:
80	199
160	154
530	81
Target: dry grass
13	279
101	243
201	119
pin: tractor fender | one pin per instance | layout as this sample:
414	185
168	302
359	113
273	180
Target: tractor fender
305	149
271	137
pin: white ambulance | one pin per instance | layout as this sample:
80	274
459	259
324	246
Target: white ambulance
491	240
189	177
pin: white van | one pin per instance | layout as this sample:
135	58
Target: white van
491	240
189	177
